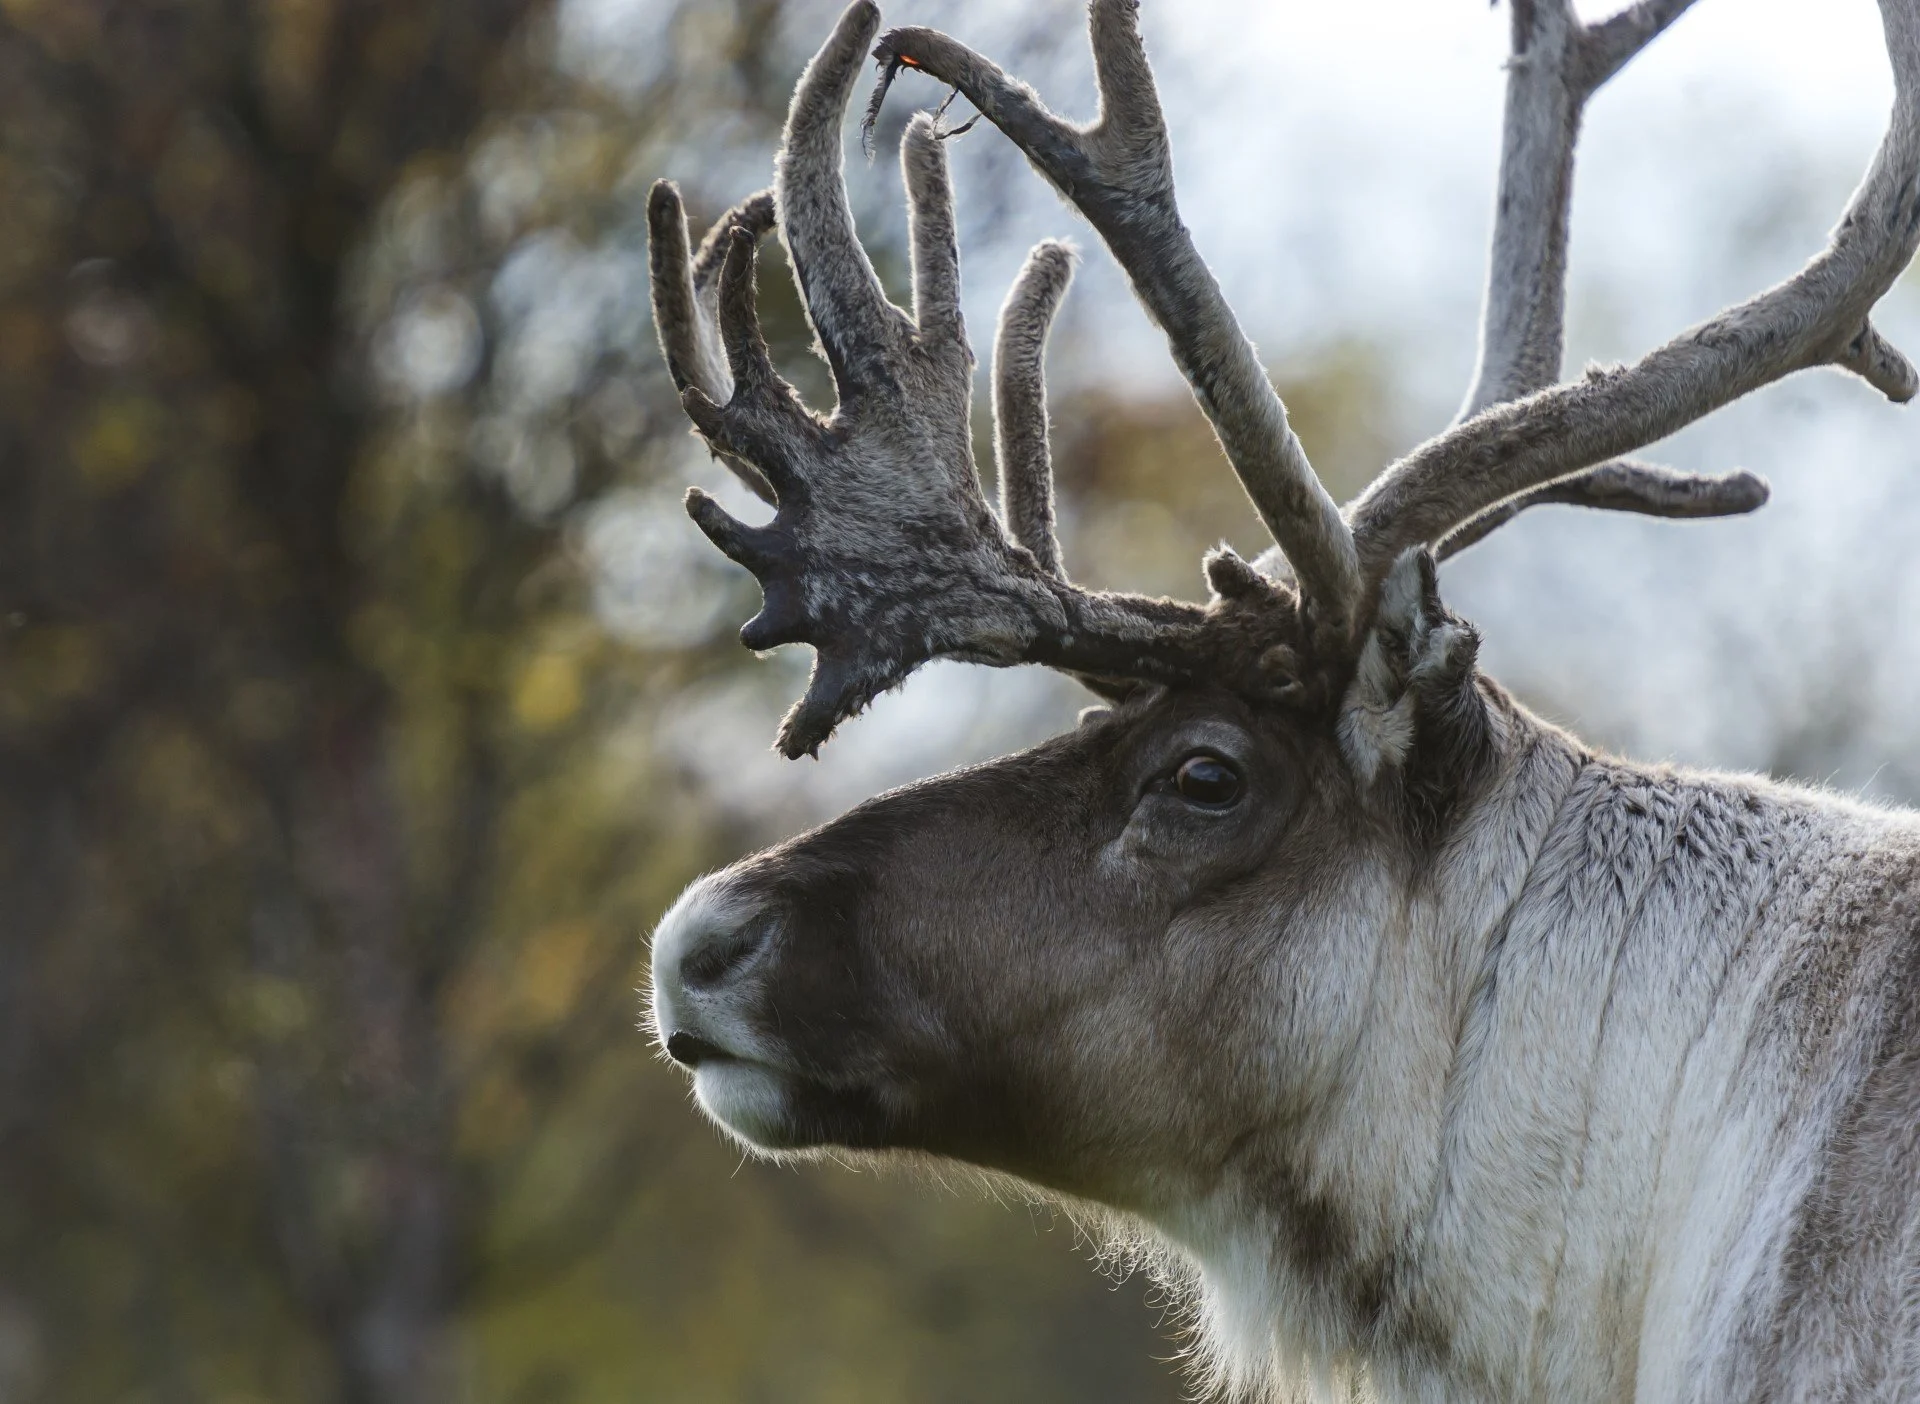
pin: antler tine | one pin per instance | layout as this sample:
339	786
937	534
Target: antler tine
1624	485
686	293
1878	362
762	421
1818	317
1608	45
1523	317
1020	443
1119	173
935	249
857	327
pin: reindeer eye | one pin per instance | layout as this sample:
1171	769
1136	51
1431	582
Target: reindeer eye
1207	780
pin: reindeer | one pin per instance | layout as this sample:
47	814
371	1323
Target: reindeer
1444	1056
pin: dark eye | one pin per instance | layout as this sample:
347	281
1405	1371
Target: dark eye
1207	780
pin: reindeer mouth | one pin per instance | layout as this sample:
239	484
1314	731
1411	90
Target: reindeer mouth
691	1050
775	1110
750	1100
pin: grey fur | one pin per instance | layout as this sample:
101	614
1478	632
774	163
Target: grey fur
936	248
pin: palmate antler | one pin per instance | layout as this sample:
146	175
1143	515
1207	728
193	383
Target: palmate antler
883	552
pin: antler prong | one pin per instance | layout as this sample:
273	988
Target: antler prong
838	687
753	430
753	215
686	295
752	547
1130	116
762	424
1556	65
1522	323
676	309
1624	485
857	327
782	618
930	228
1020	442
1879	362
1608	45
747	359
1008	103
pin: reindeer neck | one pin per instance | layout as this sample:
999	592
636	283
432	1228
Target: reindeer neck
1601	1051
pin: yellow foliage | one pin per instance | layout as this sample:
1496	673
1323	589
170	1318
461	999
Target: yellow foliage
548	692
555	963
115	445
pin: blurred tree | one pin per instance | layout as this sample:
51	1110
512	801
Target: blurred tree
229	922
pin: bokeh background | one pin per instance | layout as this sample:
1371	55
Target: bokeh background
365	695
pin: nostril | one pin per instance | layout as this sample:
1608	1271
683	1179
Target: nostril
690	1050
709	964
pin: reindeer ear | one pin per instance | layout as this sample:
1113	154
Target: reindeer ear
1414	706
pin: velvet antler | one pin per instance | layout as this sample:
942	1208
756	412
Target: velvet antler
883	552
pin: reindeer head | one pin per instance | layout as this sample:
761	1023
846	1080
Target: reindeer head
1106	963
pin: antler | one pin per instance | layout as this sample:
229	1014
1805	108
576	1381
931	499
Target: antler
686	300
883	552
1020	446
1555	66
1118	171
1509	455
